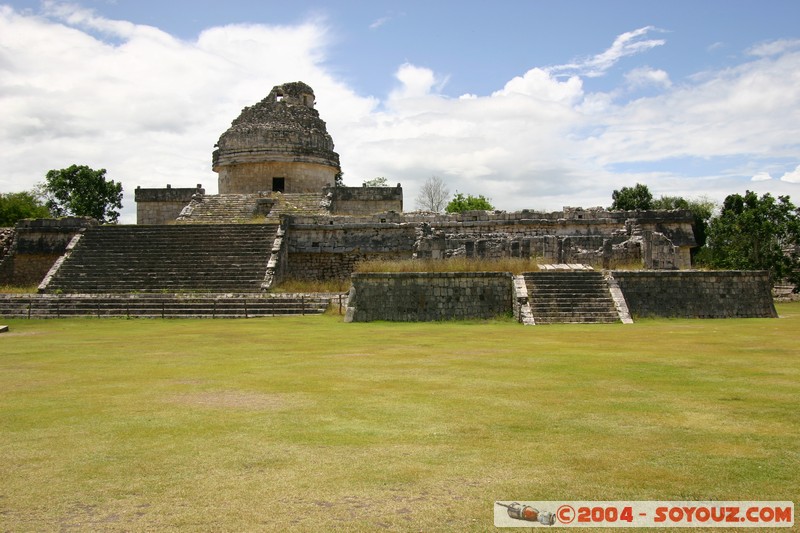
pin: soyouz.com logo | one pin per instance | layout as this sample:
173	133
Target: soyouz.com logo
644	514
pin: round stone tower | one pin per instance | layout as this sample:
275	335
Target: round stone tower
279	144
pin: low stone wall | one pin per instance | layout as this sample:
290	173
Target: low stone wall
360	201
162	206
424	297
697	294
330	248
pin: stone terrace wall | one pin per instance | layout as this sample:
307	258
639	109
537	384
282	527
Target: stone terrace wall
328	247
423	297
365	200
697	294
333	266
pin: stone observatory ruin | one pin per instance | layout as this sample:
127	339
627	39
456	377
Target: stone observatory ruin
279	144
279	214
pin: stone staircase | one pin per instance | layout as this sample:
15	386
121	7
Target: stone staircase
226	209
174	258
163	305
249	208
570	296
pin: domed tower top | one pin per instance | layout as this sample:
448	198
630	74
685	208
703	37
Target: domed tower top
278	144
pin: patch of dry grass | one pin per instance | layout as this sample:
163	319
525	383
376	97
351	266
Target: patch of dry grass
515	265
15	289
300	285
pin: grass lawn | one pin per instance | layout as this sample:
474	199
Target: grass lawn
310	424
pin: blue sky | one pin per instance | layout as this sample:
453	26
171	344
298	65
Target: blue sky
535	104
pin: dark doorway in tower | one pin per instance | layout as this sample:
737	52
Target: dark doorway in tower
278	184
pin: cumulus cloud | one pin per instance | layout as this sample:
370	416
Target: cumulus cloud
415	81
148	107
761	176
793	176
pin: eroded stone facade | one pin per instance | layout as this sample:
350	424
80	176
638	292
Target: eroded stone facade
606	239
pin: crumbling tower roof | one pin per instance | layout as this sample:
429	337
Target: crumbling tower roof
283	127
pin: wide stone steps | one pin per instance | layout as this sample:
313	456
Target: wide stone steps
299	204
223	209
575	297
162	305
170	258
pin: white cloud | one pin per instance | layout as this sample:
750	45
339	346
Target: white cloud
648	77
753	108
773	48
793	176
761	176
378	23
626	44
415	81
541	85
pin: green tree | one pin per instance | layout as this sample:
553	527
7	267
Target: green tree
338	179
461	203
753	233
15	206
82	191
377	182
701	208
637	198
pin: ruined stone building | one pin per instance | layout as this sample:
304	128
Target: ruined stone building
279	214
277	160
279	144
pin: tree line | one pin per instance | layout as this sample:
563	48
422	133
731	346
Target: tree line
747	232
77	190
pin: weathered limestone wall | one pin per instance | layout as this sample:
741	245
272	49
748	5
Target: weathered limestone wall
38	244
597	237
330	266
162	206
602	242
697	294
357	201
327	247
423	297
256	177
